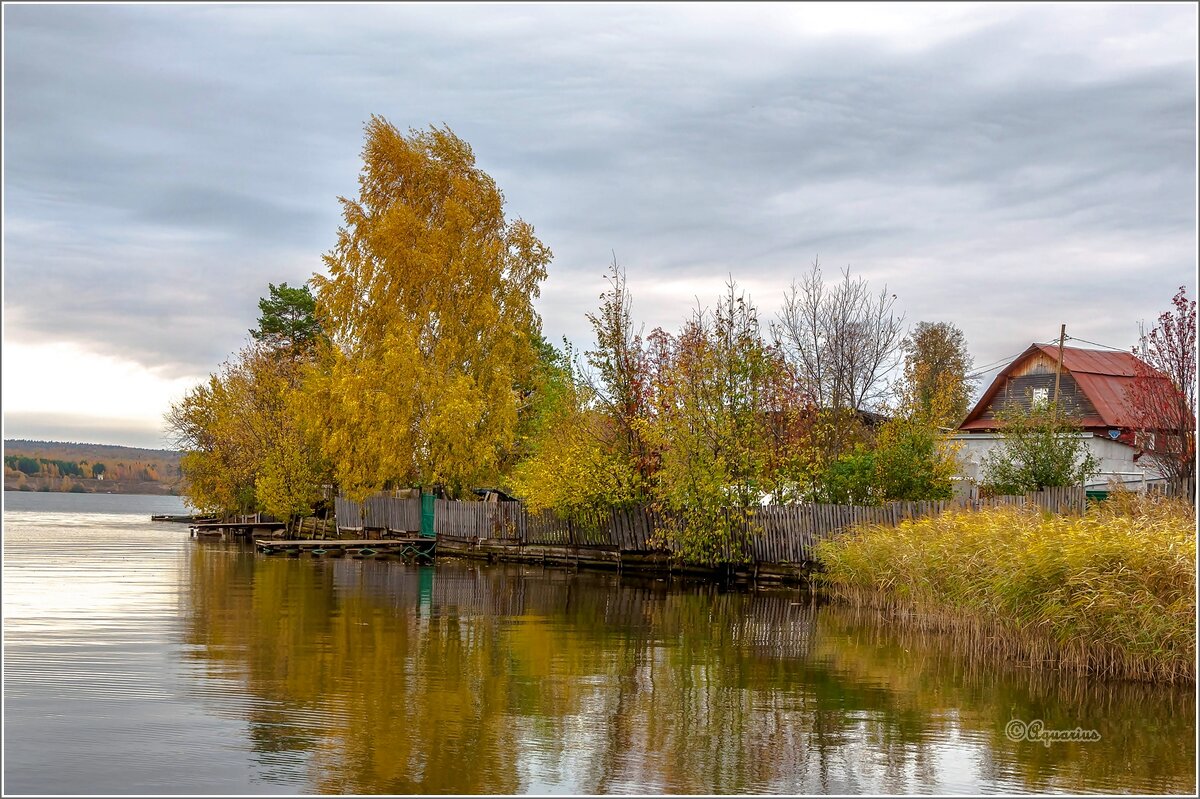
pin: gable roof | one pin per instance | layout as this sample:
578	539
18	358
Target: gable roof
1102	375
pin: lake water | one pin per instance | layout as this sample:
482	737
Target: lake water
140	661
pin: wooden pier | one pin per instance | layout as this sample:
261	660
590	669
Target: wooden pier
214	529
408	547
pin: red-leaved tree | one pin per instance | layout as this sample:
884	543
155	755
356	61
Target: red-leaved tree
1163	391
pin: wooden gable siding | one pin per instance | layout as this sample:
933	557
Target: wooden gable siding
1018	391
1036	364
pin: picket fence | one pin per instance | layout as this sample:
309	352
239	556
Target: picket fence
766	534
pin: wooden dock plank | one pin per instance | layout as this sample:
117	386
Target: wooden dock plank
240	526
413	545
340	543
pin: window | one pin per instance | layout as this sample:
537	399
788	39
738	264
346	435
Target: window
1041	396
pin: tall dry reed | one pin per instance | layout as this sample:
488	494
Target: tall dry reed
1112	592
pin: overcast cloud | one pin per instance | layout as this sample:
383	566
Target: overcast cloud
1006	167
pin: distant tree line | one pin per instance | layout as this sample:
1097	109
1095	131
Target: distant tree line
54	467
45	466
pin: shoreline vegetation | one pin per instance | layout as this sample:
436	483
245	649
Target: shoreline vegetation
417	360
1111	593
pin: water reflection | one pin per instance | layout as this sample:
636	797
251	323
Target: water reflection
379	677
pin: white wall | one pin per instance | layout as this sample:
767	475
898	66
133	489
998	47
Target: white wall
1116	459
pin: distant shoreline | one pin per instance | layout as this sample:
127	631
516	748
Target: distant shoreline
79	468
36	485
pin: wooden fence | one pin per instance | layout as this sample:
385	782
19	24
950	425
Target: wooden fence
767	534
1072	499
380	512
496	521
1179	488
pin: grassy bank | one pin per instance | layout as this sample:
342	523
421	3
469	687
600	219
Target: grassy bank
1109	593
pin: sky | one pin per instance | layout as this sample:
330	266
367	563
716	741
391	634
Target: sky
1004	167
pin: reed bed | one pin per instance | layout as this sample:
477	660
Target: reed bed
1111	593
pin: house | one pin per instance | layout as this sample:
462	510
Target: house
1092	389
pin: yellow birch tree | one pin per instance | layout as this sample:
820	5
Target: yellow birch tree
428	308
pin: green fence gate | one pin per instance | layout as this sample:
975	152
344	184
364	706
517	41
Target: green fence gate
427	516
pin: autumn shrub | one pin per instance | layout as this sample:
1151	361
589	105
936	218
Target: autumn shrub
1040	448
909	460
848	480
713	400
1110	592
575	475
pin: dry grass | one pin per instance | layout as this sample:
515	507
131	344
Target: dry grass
1112	592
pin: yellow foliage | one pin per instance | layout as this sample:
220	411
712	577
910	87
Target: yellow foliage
935	372
247	446
428	307
574	468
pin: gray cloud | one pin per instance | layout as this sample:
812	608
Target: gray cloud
86	429
1006	168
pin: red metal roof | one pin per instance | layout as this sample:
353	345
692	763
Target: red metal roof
1102	376
1096	362
1107	393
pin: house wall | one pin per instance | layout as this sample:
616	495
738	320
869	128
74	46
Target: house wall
1038	372
1116	458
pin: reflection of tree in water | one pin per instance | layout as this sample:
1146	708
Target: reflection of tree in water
475	678
226	631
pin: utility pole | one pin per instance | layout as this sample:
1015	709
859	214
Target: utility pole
1062	336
